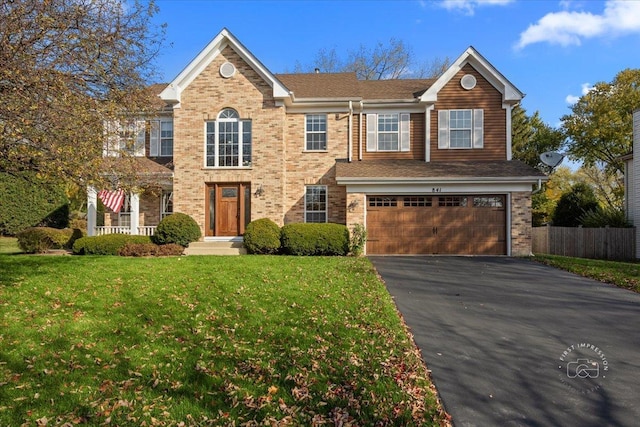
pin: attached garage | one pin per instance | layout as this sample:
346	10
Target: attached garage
436	224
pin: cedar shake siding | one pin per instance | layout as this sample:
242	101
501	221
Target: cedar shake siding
484	96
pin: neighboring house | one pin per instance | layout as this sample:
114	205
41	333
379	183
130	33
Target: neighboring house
631	177
425	165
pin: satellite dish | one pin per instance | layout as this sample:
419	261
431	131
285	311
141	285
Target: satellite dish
551	159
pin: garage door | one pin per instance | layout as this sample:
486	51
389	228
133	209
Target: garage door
457	225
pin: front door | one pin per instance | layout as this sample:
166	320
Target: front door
227	209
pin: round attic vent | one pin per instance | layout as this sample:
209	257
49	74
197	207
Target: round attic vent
227	70
468	82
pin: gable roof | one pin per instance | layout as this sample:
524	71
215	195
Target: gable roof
510	93
174	90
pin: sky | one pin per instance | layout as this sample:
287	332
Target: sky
551	50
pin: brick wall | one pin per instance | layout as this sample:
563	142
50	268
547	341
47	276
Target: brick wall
248	94
313	167
521	224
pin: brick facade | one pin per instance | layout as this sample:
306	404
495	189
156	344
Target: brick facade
521	224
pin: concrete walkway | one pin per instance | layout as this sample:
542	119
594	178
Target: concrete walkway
511	342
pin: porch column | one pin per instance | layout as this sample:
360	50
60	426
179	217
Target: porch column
92	210
135	212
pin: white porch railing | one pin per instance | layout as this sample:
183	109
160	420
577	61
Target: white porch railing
146	230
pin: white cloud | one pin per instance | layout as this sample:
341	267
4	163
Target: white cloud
469	6
586	88
567	28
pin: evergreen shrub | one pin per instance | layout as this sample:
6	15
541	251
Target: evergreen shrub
262	236
108	244
315	239
177	228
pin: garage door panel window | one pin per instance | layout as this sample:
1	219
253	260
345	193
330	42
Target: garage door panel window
315	203
452	201
383	201
417	201
488	202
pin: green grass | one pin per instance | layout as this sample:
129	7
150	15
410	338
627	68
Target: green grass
249	340
9	245
622	274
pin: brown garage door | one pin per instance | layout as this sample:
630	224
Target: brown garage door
460	225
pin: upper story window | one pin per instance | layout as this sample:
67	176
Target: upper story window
388	132
161	138
228	141
316	132
124	137
460	129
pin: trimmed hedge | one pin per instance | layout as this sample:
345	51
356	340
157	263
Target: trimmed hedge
41	239
150	249
177	228
29	202
315	239
262	237
108	244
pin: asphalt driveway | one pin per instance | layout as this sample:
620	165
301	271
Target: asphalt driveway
511	342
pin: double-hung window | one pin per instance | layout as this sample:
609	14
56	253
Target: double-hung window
161	138
228	141
124	137
460	129
166	203
315	203
388	132
316	132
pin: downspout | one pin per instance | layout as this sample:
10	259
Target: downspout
539	187
360	131
350	150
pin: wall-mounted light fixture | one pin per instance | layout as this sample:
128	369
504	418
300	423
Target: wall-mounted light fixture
259	191
353	205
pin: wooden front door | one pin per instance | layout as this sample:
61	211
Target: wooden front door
227	209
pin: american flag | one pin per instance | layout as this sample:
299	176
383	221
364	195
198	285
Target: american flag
112	199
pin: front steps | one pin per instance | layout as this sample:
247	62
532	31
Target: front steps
216	248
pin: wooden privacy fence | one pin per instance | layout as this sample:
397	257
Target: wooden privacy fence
598	243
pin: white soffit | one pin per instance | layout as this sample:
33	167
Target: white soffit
510	93
174	90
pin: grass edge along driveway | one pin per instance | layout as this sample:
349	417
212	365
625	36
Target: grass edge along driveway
205	341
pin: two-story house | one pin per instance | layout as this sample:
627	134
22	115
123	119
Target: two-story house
425	165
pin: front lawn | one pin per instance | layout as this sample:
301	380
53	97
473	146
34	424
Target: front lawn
9	245
622	274
205	341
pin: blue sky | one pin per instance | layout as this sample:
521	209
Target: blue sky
551	50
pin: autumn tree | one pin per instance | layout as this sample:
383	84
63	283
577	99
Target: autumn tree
600	125
394	60
67	68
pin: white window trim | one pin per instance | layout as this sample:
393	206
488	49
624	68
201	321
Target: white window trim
326	202
155	137
125	212
477	129
216	147
404	135
307	132
163	211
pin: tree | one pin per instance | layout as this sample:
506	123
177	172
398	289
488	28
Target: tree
572	205
530	137
394	60
69	67
600	124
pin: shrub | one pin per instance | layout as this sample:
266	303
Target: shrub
41	239
108	244
573	204
30	202
150	249
357	240
604	217
177	228
262	236
315	239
